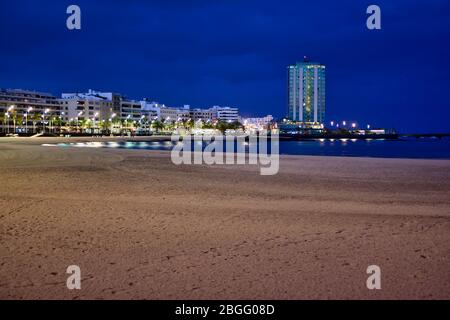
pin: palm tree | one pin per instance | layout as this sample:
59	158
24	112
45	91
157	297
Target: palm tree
19	120
35	118
57	121
158	125
207	125
236	125
82	124
222	126
189	124
104	125
3	119
14	118
116	123
169	125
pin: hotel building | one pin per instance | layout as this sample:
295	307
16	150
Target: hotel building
99	105
85	106
173	114
228	114
130	110
203	115
253	125
306	92
94	108
27	105
260	122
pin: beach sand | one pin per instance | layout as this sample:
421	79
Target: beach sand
141	227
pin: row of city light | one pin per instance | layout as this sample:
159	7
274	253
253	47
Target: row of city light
12	107
46	111
344	124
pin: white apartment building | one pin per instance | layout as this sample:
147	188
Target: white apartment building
227	114
85	106
99	105
151	109
257	124
24	101
28	105
165	113
174	114
130	110
201	114
263	121
181	114
115	98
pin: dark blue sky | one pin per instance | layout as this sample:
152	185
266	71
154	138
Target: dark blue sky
235	52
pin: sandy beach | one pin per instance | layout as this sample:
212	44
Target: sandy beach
141	227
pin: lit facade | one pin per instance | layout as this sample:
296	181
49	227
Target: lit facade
228	114
306	92
26	108
21	101
79	106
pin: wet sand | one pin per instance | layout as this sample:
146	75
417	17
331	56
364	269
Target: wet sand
141	227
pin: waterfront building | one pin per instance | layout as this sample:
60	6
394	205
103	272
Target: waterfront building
24	108
263	121
306	92
203	115
228	114
115	98
85	107
107	105
257	124
97	111
186	112
151	109
130	110
163	112
168	114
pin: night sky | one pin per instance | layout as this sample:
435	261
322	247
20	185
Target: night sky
235	53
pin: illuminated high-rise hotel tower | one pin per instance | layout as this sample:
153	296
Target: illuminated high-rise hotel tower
306	92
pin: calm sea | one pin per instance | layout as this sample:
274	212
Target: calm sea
427	148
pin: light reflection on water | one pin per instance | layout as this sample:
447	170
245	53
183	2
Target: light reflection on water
421	148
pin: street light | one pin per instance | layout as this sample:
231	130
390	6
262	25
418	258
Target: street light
43	118
78	120
11	109
26	118
60	121
141	123
7	116
126	123
94	122
111	120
